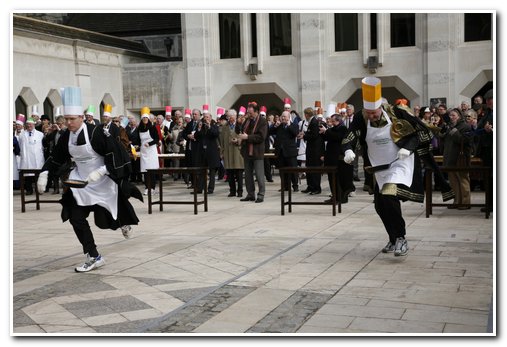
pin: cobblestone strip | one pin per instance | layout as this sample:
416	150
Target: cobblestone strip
192	316
289	316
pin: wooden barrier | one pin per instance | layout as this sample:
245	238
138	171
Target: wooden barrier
485	171
37	201
285	171
194	171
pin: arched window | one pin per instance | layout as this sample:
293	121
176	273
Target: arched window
48	109
21	106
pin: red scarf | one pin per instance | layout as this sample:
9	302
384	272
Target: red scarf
250	145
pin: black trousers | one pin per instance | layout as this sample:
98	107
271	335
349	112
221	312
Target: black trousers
82	229
388	208
313	179
289	162
153	180
233	176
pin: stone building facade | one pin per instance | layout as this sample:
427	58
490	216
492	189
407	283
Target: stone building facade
440	63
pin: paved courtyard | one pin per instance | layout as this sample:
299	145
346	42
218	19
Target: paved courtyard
241	267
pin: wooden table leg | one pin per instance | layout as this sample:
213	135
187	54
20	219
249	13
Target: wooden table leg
148	183
22	187
282	193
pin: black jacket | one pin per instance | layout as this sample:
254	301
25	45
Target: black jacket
118	165
285	140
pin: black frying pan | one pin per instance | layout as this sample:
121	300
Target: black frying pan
75	183
373	169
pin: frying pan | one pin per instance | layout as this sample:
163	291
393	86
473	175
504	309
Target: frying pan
75	183
373	169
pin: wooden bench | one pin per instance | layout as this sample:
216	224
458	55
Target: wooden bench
22	174
484	171
194	171
285	171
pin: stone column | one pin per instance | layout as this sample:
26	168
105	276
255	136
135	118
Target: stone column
441	56
196	58
311	29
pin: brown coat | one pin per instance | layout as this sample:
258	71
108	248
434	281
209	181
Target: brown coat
255	139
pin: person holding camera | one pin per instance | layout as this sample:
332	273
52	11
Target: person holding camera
285	146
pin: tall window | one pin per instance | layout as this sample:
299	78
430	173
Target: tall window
345	32
373	31
229	35
280	34
253	28
478	26
402	29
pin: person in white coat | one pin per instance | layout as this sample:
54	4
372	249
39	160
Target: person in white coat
149	140
31	152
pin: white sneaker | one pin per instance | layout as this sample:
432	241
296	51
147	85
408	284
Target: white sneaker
91	263
127	231
352	194
401	247
145	191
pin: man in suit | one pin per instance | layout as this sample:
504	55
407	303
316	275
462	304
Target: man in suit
107	122
191	148
252	139
135	140
285	146
334	155
207	140
314	151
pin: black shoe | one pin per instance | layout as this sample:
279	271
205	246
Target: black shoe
259	199
306	191
328	201
190	187
357	179
296	189
284	190
315	192
210	192
231	195
198	192
270	180
29	193
248	198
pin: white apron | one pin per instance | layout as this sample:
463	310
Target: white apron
31	150
383	150
103	192
15	172
303	126
149	155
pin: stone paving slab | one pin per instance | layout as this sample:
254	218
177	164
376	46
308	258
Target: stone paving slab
243	268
